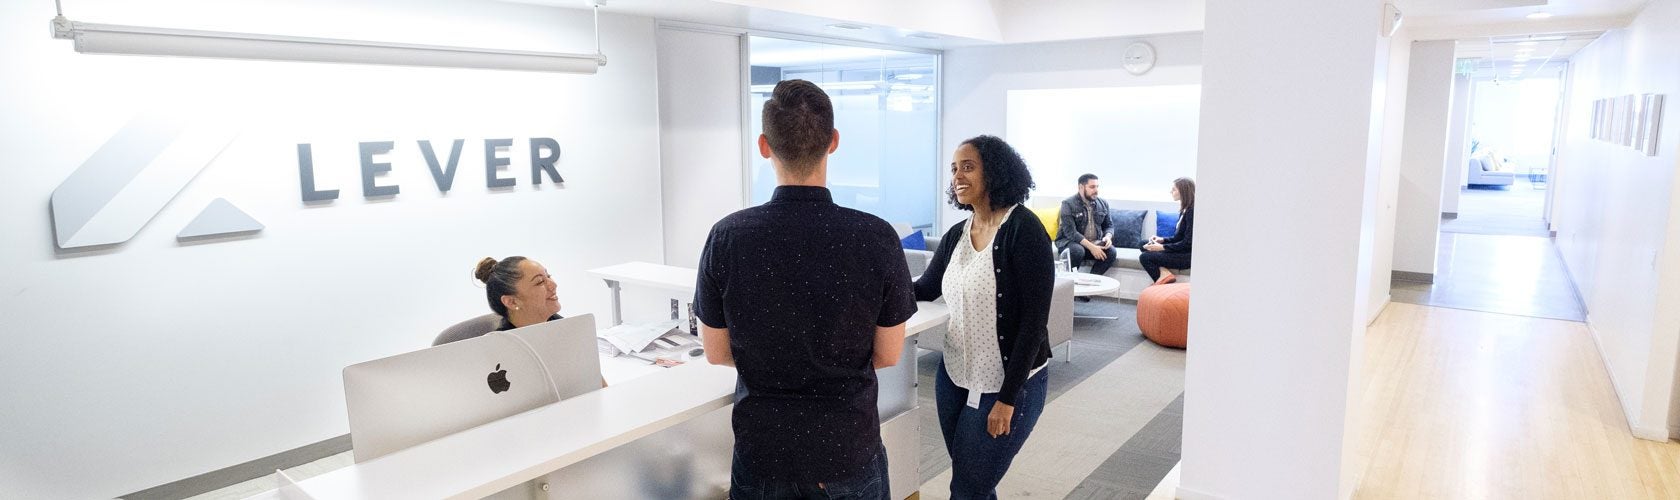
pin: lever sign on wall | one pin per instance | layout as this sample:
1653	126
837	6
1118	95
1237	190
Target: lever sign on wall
544	153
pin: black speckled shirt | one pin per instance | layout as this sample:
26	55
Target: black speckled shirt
801	283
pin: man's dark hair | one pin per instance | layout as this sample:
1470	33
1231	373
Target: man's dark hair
1007	179
799	124
1087	178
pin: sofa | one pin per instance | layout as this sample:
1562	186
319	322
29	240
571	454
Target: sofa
1484	172
1126	268
1061	309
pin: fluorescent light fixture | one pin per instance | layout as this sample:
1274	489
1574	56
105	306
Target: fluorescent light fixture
1540	15
137	40
848	26
1527	43
924	36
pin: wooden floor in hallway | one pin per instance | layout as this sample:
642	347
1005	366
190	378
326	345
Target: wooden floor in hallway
1472	405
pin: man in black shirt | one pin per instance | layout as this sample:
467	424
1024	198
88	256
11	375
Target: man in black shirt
806	299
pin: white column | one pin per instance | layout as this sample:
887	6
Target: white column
1289	152
1458	148
700	131
1423	157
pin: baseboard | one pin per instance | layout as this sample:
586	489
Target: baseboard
1616	385
229	476
1674	431
1387	299
1412	277
1651	433
1449	215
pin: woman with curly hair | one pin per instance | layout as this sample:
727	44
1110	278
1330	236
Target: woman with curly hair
996	273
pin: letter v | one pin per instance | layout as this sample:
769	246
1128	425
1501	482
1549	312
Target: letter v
444	176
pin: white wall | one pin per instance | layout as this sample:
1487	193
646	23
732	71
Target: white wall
1458	144
977	19
1391	99
130	367
1618	223
1137	140
1026	21
1269	386
701	148
1428	102
1517	118
977	82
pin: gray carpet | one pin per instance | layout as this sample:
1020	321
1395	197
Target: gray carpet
1520	275
1096	344
1134	470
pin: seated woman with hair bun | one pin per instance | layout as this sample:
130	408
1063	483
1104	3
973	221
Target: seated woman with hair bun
519	290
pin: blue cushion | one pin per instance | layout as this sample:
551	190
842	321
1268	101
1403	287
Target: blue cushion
915	241
1128	227
1166	223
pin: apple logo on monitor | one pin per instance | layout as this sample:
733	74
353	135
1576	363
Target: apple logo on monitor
498	380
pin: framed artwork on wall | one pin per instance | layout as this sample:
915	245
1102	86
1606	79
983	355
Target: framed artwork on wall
1592	125
1627	119
1653	122
1610	118
1639	118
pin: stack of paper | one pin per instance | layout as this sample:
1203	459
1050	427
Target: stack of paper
629	338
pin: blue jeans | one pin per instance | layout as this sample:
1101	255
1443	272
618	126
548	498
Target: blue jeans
978	460
871	484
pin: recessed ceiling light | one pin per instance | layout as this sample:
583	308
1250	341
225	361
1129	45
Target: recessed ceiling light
848	26
1540	15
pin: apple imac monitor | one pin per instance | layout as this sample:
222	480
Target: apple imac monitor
567	350
408	399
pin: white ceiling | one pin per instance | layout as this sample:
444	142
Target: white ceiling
1510	57
1471	22
728	15
1462	19
1428	8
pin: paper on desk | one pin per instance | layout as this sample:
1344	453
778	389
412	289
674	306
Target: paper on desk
668	350
635	338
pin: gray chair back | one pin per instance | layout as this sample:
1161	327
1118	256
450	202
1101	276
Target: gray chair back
471	328
918	261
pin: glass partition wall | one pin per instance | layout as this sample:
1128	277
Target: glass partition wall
886	109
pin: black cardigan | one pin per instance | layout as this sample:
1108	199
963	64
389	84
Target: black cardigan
1026	278
1180	240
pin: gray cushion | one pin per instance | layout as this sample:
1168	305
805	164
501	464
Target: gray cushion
1128	227
1127	258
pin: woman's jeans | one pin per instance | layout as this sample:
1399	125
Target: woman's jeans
978	460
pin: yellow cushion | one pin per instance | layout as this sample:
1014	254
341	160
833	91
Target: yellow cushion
1051	217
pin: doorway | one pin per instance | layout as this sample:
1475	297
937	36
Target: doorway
1511	157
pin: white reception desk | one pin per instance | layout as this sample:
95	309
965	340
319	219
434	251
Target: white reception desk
641	401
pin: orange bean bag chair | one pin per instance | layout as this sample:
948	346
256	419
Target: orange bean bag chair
1163	312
